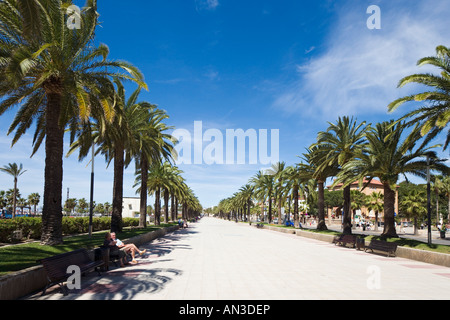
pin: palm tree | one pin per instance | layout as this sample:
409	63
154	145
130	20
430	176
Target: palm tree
374	202
264	185
33	200
70	205
82	206
341	142
434	116
296	180
387	156
246	193
22	203
279	174
59	78
358	201
445	189
313	168
15	171
414	205
437	185
3	199
116	140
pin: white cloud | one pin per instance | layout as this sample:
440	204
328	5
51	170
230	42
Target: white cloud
360	69
206	4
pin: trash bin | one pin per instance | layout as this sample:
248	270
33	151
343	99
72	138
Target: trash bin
360	243
102	253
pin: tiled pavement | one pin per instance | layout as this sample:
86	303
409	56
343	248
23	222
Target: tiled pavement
221	260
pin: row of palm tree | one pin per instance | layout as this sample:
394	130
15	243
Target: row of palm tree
350	151
12	197
62	81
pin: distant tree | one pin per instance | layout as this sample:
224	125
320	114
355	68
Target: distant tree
414	205
33	200
70	205
82	206
15	171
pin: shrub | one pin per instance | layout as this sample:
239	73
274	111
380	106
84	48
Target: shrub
32	227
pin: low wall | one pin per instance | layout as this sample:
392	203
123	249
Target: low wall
24	282
436	258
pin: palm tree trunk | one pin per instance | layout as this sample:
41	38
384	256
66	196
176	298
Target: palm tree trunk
166	205
448	208
176	208
347	221
437	207
321	204
279	210
172	207
295	195
54	149
14	198
143	195
116	217
270	209
389	212
157	207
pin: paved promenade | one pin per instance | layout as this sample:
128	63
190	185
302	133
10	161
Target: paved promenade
222	260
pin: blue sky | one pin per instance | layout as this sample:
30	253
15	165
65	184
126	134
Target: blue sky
252	64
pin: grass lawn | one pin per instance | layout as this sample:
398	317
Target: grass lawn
22	256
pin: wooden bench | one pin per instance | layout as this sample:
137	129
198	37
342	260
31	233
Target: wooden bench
384	246
343	240
56	267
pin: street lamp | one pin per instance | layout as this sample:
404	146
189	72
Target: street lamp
428	200
91	206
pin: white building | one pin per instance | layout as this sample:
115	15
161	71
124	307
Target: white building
131	207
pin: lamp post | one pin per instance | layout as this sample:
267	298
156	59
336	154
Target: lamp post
91	206
428	200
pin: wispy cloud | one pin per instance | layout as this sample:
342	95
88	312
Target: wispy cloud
206	4
360	69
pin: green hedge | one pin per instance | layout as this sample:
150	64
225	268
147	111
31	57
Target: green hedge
32	227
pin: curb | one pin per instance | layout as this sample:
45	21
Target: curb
24	282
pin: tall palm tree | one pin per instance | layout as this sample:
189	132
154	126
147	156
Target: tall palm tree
15	171
312	168
247	194
279	174
388	155
264	185
151	143
296	179
434	116
156	182
58	77
341	142
119	141
34	199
